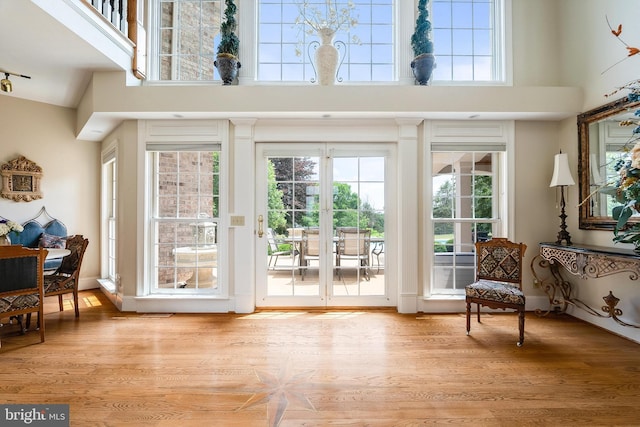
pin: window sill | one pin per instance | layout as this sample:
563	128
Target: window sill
445	298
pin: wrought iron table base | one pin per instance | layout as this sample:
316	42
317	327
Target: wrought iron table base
584	262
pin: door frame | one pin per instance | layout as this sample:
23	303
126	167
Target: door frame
326	150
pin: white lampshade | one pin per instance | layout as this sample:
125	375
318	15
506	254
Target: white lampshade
561	172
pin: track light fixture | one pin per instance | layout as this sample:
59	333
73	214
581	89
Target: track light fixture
5	84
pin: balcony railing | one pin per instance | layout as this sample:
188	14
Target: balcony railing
126	17
115	11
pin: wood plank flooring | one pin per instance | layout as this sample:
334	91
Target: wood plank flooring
320	368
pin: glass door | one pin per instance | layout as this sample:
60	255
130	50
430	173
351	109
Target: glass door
321	233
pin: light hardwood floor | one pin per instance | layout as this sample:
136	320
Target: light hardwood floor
320	368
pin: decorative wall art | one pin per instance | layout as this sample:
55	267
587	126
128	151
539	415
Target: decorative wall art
21	180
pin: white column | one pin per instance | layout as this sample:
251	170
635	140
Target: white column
407	10
242	204
408	209
247	14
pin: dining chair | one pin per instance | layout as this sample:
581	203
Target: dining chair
65	279
353	244
498	279
309	248
21	284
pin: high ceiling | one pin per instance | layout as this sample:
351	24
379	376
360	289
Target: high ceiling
34	43
61	59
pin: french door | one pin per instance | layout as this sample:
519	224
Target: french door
323	225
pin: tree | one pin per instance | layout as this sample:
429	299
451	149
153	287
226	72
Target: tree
277	215
229	43
421	38
294	196
443	207
345	206
483	189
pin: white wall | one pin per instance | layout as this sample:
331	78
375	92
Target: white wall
44	134
537	58
589	49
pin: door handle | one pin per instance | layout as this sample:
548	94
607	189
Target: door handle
260	226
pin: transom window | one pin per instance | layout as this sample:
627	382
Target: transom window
468	37
286	45
187	33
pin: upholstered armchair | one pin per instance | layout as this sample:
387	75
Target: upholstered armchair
498	279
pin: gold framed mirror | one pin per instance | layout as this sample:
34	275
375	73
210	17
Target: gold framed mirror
601	141
21	180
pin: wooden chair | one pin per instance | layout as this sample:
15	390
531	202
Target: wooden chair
21	283
498	279
353	244
65	279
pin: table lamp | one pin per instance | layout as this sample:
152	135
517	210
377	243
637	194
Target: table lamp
561	178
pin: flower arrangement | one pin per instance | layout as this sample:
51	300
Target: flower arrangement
318	16
7	226
626	187
325	17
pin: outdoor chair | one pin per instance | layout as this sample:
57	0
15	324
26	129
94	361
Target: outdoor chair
274	249
498	279
309	248
353	244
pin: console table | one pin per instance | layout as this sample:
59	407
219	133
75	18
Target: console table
585	261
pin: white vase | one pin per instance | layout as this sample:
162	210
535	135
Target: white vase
4	240
326	58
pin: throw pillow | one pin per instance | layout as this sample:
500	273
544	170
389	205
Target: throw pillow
52	241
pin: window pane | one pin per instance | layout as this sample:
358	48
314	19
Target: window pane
462	42
462	68
444	196
461	15
188	32
482	42
482	15
270	53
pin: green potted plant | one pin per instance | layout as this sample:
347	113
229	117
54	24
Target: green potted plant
424	61
227	56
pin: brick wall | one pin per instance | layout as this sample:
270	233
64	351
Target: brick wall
189	28
186	197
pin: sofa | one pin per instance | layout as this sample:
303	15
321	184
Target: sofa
51	235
